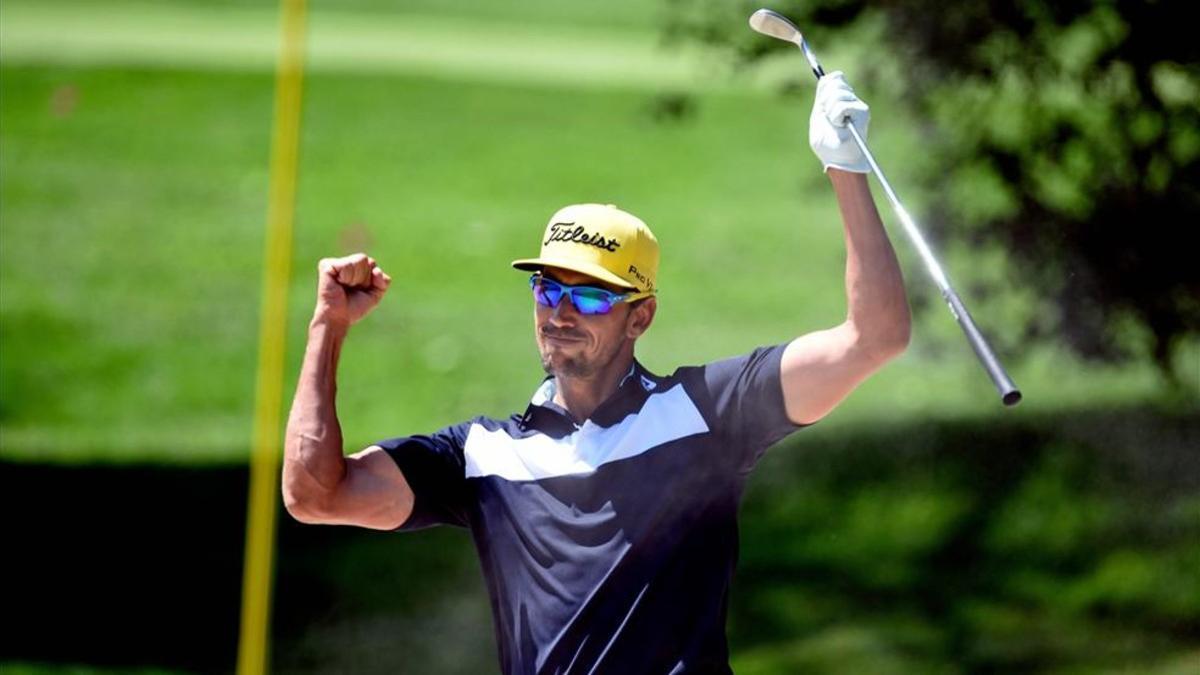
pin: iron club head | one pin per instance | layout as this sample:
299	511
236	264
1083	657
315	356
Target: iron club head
774	24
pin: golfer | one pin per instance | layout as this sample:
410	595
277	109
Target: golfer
605	513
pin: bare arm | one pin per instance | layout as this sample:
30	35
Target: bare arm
320	485
821	368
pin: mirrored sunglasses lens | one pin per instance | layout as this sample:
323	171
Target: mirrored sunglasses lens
547	293
591	301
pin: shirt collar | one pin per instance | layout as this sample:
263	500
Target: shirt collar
545	392
549	417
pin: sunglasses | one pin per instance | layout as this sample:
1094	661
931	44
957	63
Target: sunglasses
586	299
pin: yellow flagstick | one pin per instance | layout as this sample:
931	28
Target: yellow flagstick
264	462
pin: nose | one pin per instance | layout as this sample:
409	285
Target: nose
565	312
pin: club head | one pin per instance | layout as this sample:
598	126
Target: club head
774	24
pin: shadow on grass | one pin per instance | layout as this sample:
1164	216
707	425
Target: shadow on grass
141	566
1056	543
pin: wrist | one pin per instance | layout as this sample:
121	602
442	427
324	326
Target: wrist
848	183
326	321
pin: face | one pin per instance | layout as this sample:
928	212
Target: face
580	345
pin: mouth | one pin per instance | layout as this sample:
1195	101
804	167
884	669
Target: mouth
560	339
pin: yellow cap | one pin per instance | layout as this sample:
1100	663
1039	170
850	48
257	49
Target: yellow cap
601	241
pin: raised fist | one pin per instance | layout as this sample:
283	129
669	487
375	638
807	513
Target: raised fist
349	288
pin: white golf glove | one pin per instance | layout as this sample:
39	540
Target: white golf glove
827	132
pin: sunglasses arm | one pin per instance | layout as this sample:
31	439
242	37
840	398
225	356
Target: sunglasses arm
631	297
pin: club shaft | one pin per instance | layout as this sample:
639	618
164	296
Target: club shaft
812	59
910	227
1009	393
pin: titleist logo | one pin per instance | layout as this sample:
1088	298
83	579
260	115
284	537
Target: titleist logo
577	235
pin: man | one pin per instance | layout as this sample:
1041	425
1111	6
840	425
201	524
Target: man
605	515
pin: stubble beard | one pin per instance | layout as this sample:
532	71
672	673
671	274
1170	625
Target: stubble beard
567	367
577	366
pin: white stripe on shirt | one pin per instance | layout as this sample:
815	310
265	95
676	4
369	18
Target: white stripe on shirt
665	416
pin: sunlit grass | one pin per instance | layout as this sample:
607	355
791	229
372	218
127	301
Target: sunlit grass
132	201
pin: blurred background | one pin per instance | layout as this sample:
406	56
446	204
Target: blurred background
1051	150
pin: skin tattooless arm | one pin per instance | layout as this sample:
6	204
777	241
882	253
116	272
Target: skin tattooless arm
313	464
877	305
320	485
819	369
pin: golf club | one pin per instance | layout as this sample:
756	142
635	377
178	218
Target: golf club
777	26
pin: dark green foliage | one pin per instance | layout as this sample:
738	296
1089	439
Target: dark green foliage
1063	545
1067	132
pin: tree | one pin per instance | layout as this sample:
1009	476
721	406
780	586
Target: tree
1067	132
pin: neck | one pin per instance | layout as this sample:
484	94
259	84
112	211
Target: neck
582	395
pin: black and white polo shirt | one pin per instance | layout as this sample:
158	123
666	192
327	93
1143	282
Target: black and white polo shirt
607	547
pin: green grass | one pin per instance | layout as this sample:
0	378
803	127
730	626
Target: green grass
132	200
460	43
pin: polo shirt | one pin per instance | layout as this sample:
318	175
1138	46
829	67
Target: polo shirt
607	546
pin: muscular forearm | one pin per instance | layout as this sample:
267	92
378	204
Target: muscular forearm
313	464
877	305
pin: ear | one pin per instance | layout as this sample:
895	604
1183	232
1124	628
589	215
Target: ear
640	317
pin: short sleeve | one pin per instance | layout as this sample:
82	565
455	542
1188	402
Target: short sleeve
746	399
434	469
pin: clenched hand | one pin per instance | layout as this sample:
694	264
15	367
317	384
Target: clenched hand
349	288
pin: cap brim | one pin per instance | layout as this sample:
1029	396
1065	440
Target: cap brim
590	269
